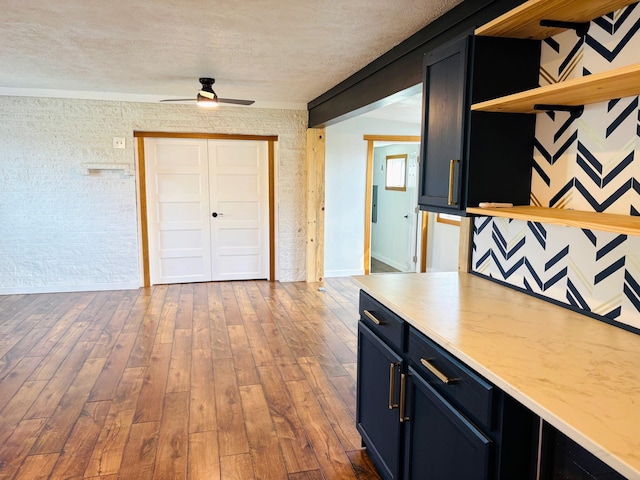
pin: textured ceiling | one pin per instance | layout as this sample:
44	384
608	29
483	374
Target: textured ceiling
277	52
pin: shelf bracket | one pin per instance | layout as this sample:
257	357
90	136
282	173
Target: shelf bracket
574	110
581	28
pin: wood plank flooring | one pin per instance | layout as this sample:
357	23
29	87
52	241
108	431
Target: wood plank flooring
378	266
233	380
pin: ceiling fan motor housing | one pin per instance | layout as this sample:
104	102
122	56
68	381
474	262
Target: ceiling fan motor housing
207	84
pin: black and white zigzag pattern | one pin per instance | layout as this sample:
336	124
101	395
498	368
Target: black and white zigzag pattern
598	272
588	163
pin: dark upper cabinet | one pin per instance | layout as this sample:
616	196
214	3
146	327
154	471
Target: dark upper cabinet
471	157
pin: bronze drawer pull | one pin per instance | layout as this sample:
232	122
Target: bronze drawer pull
371	317
432	368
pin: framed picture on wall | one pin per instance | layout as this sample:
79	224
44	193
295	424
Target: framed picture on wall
396	172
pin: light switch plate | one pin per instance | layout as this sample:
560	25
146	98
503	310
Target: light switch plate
118	142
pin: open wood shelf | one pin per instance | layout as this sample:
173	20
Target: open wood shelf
87	168
524	21
598	87
607	222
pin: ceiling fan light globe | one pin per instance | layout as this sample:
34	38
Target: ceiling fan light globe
207	102
207	94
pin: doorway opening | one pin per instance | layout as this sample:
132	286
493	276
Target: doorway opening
347	238
392	222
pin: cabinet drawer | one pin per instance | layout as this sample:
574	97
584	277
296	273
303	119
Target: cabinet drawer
383	321
474	395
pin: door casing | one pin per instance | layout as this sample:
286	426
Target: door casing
142	193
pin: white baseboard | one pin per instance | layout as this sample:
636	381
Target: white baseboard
68	288
342	273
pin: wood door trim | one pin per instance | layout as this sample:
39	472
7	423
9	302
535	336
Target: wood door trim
144	227
272	212
207	136
370	139
423	244
393	138
142	191
367	207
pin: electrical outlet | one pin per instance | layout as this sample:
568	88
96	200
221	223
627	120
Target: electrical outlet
118	142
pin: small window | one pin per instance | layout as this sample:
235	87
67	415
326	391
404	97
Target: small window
396	175
448	219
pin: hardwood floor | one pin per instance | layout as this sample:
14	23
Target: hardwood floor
235	380
378	266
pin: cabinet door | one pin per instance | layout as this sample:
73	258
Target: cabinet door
379	369
440	443
442	143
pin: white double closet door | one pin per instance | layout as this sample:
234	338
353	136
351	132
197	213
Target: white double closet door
207	209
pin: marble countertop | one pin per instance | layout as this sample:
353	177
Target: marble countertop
579	374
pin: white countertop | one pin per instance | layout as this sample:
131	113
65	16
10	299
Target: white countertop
579	374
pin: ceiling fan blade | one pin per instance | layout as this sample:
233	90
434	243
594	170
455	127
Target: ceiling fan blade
235	101
178	100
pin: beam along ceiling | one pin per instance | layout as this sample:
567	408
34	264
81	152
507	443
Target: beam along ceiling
281	53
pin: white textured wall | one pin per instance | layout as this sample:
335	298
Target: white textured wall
62	231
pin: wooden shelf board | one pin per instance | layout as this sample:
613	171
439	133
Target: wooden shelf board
598	87
607	222
524	21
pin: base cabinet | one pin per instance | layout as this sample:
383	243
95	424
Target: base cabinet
424	415
377	418
440	442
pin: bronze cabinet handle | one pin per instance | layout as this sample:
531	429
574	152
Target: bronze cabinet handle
452	178
403	398
392	384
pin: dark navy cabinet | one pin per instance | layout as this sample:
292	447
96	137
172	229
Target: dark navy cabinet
423	414
379	370
471	157
458	424
381	340
441	443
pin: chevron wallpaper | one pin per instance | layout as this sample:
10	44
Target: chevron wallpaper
585	163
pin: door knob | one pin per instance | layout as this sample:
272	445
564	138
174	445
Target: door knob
215	214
